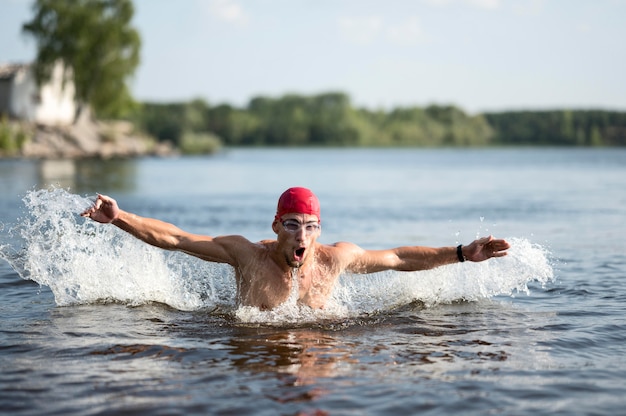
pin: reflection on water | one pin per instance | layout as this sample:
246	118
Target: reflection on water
88	175
61	172
303	355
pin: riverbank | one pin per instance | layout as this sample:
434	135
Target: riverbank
87	138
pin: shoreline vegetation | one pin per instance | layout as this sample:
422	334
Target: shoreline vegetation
323	120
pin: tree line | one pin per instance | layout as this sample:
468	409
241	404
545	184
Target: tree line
559	128
326	119
329	119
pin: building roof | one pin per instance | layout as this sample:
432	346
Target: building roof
8	71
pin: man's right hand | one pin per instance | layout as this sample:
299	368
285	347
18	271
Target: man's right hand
104	210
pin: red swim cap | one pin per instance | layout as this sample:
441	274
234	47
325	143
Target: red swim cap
298	201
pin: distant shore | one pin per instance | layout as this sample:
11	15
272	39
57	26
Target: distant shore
87	138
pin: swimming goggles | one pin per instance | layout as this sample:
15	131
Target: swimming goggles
293	226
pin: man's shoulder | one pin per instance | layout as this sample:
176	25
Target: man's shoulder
267	242
342	245
340	249
243	242
243	250
255	248
341	254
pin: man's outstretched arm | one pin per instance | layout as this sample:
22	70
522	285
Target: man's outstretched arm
160	233
416	258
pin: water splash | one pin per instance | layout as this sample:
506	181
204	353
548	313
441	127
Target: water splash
462	281
84	262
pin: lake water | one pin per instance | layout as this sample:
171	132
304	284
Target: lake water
94	322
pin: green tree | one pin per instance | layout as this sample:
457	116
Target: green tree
96	44
165	122
333	120
563	128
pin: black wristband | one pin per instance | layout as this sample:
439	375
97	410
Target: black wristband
459	253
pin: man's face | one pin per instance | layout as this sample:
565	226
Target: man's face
297	234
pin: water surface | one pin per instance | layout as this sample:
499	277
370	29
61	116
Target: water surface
95	322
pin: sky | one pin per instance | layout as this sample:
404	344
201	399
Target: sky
480	55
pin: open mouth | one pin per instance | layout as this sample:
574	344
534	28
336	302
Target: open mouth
299	254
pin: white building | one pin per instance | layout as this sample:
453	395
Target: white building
20	98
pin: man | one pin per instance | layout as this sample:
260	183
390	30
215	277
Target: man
265	271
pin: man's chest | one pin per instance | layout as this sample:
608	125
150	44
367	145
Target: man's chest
269	288
266	285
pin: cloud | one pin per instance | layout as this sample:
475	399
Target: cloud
361	30
228	11
407	32
438	3
484	4
365	30
479	4
528	7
